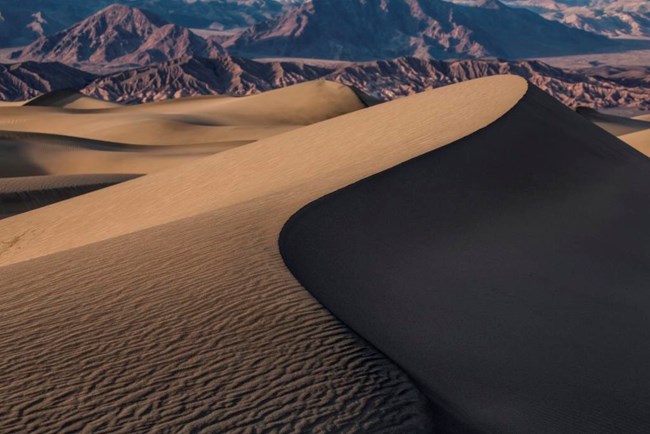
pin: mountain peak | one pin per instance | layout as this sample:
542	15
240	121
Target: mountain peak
119	35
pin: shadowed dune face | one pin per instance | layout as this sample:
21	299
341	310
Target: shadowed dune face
158	303
507	272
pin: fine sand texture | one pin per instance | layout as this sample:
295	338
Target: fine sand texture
508	273
163	304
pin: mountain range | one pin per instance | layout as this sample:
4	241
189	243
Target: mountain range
21	22
119	36
383	79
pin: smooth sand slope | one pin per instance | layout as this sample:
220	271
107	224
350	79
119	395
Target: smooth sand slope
163	303
640	140
616	125
65	133
508	273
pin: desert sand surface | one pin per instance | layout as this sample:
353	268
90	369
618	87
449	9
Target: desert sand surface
163	303
508	273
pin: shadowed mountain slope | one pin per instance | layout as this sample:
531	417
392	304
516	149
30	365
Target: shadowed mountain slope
116	36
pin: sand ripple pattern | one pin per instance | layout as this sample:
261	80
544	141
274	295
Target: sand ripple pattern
174	329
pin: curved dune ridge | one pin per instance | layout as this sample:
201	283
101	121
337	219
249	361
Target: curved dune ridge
507	274
163	303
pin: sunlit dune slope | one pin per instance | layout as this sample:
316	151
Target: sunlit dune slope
639	140
163	303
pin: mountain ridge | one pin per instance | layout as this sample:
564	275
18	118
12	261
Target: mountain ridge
385	79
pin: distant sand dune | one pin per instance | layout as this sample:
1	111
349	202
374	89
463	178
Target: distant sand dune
163	303
615	125
70	99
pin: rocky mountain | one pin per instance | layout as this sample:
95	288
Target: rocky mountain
614	18
193	76
384	79
22	81
118	36
21	22
376	29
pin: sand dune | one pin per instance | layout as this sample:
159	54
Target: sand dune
71	99
639	140
616	125
163	303
508	273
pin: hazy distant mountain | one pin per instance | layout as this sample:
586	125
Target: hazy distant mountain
119	35
371	29
386	79
21	21
606	17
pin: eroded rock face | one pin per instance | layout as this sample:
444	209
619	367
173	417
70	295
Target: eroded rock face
26	80
385	79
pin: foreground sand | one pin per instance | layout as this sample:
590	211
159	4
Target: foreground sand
163	303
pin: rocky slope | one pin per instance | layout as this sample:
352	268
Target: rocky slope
118	36
385	79
372	29
27	80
